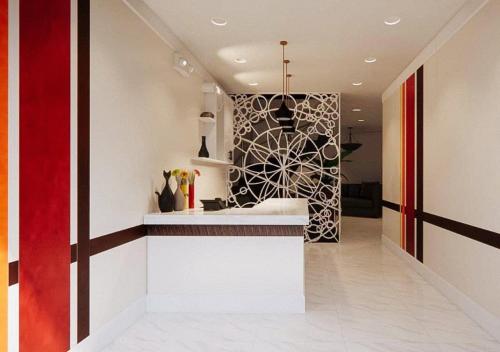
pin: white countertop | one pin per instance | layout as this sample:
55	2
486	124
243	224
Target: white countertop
275	211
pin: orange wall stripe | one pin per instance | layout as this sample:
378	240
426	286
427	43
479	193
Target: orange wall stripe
4	257
4	265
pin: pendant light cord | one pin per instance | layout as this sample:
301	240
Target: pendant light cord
283	64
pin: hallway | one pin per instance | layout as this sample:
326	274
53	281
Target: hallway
360	298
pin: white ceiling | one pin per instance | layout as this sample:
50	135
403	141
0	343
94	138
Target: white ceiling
328	41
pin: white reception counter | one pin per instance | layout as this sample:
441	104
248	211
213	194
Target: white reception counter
235	260
274	211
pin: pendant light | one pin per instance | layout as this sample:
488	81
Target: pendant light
350	146
283	114
287	126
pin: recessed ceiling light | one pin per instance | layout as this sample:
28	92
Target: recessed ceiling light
361	120
357	83
218	21
356	110
253	84
392	21
240	60
370	60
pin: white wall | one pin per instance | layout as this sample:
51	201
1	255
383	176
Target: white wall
391	149
461	159
366	165
143	120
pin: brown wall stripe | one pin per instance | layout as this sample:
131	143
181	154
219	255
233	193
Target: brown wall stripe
390	205
115	239
74	252
475	233
225	230
420	164
13	273
487	237
83	249
97	245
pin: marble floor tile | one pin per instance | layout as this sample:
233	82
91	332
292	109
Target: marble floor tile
391	346
359	298
274	346
483	346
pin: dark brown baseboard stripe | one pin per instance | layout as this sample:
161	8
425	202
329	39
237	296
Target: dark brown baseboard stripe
475	233
115	239
225	230
13	273
390	205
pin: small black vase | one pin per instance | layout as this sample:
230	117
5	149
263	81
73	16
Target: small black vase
166	198
203	153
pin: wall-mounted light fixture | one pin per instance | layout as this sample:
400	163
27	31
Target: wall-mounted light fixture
182	65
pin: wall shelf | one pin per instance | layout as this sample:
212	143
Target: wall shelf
210	161
218	131
208	120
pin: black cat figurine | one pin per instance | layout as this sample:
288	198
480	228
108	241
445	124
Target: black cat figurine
166	198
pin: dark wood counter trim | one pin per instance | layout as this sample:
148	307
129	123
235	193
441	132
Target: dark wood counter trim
226	230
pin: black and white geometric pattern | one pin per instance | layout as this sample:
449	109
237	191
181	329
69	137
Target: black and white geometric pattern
271	164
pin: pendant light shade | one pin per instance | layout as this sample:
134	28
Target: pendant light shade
350	146
283	114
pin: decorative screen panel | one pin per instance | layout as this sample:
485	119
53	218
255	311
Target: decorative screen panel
271	164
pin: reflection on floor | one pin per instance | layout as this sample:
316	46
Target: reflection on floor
360	297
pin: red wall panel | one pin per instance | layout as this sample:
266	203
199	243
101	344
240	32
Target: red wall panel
44	175
410	165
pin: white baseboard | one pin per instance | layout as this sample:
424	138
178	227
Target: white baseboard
485	319
113	329
226	304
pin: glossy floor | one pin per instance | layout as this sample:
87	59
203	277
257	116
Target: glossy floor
360	297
